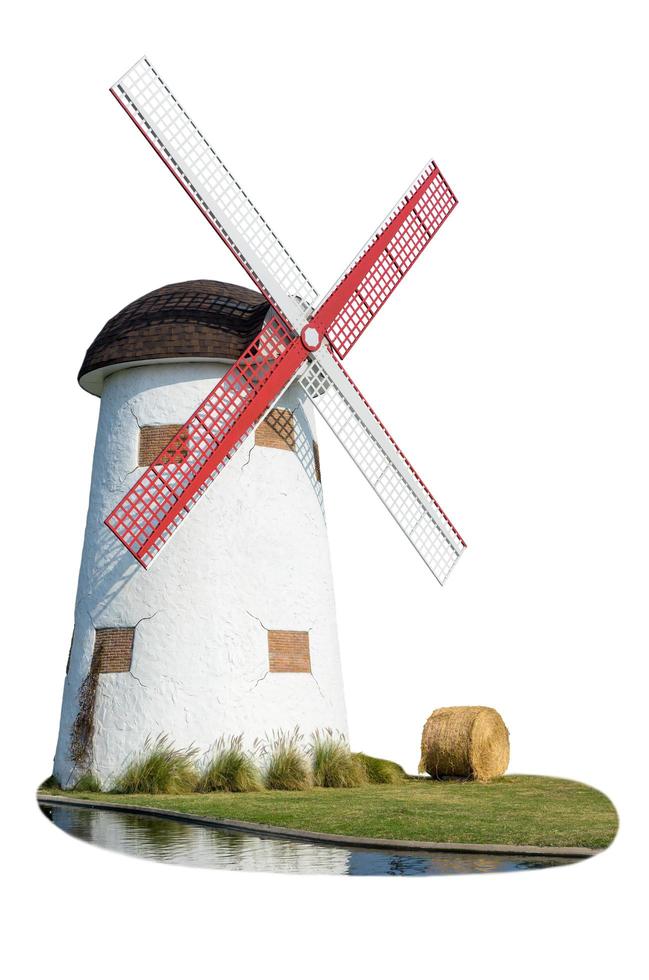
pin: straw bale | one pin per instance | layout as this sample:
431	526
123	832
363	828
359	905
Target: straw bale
465	742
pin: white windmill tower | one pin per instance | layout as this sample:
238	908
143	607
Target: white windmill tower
237	632
232	628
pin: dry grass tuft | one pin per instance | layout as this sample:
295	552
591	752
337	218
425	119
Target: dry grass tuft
333	764
285	763
160	768
229	769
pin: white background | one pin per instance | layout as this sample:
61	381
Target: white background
511	367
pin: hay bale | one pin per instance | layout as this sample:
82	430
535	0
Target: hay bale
465	742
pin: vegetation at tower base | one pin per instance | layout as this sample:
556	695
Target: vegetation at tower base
465	742
160	768
281	760
84	724
49	785
286	766
380	770
537	810
332	762
88	783
229	769
286	783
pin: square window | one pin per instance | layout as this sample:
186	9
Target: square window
114	649
277	430
288	652
155	438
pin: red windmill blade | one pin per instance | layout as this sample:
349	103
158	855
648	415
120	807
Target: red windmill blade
353	302
164	494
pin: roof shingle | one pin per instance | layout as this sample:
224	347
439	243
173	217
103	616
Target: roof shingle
196	319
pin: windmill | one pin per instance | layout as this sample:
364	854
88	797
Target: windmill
300	346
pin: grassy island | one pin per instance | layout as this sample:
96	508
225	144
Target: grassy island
537	810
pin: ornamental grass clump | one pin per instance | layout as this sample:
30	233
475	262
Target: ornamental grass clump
380	770
160	768
333	764
285	763
229	769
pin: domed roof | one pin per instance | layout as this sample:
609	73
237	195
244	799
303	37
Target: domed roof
195	320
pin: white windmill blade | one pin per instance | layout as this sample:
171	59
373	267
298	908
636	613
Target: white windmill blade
342	316
382	463
191	159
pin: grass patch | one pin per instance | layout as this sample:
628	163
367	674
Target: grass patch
88	783
285	766
49	784
380	770
511	810
229	769
333	764
159	768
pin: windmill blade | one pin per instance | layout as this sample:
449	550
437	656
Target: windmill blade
382	463
161	498
211	186
353	302
361	291
147	516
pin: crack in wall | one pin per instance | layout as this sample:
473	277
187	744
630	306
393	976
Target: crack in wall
307	629
262	678
315	679
134	626
252	616
145	618
137	421
252	448
136	678
119	486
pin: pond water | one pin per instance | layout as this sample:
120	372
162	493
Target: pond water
161	839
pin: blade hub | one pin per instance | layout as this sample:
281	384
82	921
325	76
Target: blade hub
311	338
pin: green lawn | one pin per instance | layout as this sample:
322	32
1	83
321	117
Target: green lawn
511	810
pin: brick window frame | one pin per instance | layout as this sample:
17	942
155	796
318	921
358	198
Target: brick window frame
113	650
277	430
316	461
153	439
289	652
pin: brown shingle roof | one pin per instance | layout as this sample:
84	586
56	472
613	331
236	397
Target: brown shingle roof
196	319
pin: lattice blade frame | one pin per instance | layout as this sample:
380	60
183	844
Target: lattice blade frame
352	303
161	498
382	463
203	175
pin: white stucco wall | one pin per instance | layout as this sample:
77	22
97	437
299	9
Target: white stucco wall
253	555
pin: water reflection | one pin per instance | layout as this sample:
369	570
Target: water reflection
164	840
